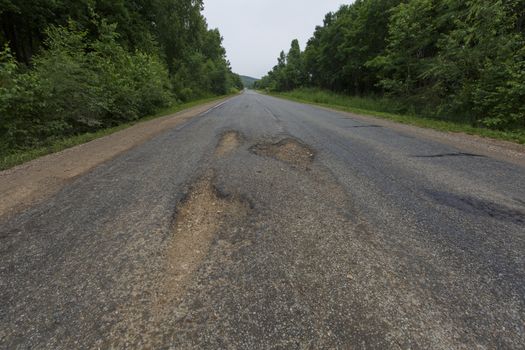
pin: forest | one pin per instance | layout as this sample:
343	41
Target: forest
73	66
445	59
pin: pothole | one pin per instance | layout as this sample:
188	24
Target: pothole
288	150
198	218
229	141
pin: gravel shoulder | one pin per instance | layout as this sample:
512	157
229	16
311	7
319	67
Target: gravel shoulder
31	182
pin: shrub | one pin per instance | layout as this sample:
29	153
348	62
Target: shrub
77	85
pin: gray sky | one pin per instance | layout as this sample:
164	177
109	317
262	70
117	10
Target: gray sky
255	31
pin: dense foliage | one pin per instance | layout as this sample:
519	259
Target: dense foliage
68	67
459	60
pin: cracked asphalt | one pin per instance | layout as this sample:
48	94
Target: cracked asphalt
312	230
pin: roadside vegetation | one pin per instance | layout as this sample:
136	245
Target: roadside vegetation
22	155
455	65
73	70
391	109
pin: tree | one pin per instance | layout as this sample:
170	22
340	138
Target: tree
461	60
72	66
294	71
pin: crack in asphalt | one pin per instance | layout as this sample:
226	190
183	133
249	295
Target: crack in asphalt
454	154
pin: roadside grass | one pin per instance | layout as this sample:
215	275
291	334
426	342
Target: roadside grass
16	157
389	109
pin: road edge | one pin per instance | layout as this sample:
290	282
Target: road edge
29	183
502	150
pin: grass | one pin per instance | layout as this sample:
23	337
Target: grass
389	109
21	156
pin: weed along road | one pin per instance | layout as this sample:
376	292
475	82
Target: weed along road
269	224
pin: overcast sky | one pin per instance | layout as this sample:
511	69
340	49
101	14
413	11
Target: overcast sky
255	31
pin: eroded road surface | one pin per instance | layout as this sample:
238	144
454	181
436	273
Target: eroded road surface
268	224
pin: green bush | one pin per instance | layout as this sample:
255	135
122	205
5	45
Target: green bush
461	61
22	98
77	85
369	103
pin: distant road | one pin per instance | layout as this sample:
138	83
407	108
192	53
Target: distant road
269	224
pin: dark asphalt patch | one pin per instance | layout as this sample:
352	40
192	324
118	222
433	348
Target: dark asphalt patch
479	206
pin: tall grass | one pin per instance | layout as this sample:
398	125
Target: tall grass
361	103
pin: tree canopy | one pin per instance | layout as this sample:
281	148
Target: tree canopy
74	66
462	60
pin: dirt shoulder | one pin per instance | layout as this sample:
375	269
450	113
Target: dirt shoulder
31	182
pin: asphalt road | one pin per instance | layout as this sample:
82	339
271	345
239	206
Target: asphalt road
268	224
